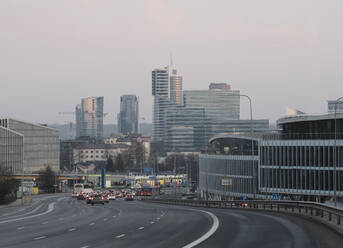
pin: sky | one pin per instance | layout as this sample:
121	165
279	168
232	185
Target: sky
55	52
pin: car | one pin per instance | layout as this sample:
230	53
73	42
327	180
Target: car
129	197
74	195
96	199
81	197
112	197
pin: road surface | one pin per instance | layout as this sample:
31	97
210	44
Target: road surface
60	221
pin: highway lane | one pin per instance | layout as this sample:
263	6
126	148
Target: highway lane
73	223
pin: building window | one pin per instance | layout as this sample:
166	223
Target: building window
86	151
92	156
91	151
97	151
96	156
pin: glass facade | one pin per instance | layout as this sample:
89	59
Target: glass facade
229	172
129	114
184	129
89	117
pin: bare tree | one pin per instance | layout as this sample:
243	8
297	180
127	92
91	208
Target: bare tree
8	184
47	179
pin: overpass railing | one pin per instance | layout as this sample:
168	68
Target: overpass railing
326	213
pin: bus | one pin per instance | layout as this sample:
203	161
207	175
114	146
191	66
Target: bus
83	188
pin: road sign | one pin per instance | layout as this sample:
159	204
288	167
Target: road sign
276	196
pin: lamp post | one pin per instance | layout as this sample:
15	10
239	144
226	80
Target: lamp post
335	155
252	146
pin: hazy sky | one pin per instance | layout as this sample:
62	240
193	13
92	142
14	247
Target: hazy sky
281	53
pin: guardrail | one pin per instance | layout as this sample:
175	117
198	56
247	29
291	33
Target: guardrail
324	212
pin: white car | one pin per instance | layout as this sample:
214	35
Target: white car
111	197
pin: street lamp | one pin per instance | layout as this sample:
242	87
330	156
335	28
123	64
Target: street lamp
335	155
252	146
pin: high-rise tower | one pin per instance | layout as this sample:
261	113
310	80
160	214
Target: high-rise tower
129	114
166	91
90	117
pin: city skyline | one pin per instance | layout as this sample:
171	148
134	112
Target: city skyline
285	49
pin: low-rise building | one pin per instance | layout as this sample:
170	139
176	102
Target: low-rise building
95	153
41	145
11	150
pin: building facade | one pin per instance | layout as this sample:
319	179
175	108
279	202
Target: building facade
11	150
302	161
219	103
41	145
99	153
185	129
89	117
229	168
128	118
331	106
166	91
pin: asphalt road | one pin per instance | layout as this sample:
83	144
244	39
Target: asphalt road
60	221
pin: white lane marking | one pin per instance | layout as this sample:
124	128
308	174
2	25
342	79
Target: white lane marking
31	212
91	224
20	228
213	229
50	209
61	218
114	216
73	215
72	229
151	222
38	238
86	246
141	228
45	222
158	218
105	219
120	236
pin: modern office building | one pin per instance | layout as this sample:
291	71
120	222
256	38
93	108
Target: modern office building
176	88
11	150
229	168
331	106
166	91
300	161
128	118
222	109
89	117
41	144
185	129
220	103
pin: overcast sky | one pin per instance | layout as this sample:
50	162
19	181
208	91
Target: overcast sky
54	52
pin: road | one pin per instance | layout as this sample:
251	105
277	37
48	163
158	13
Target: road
60	221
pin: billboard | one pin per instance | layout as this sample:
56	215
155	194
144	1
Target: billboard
226	181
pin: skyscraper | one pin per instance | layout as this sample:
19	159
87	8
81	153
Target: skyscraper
176	88
166	91
129	114
89	117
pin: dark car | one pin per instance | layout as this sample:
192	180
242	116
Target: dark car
129	197
96	199
81	197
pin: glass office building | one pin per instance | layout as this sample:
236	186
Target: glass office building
185	129
89	117
128	117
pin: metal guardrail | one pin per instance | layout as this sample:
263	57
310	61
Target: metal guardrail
331	214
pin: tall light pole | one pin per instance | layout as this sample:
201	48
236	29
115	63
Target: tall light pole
335	155
252	146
